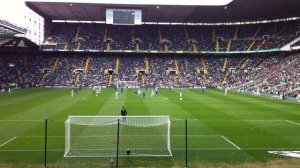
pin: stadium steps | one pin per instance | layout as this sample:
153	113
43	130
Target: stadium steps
175	80
205	72
256	33
42	78
228	45
105	38
76	79
78	46
204	65
251	45
20	76
65	46
55	64
253	38
77	33
217	45
159	35
177	67
195	49
214	34
225	64
166	47
117	66
86	66
261	44
243	65
235	33
225	78
147	65
205	79
143	80
260	63
108	46
110	80
137	44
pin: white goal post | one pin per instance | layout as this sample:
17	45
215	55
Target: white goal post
99	136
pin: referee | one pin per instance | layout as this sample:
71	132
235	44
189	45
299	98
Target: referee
123	113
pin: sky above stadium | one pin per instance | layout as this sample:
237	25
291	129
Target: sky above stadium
14	10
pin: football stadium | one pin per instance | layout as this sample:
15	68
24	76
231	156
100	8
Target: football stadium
164	84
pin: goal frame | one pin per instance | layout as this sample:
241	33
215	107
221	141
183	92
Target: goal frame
118	119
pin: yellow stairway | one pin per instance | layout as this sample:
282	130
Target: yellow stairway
55	63
76	79
177	66
110	80
86	67
225	64
147	65
20	76
143	80
117	66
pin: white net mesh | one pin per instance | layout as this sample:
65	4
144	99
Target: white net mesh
96	136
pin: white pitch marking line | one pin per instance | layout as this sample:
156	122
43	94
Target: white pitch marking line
292	122
8	141
231	142
191	149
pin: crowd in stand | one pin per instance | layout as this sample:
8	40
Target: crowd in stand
265	73
176	38
274	74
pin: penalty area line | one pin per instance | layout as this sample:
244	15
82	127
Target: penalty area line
231	142
292	122
8	141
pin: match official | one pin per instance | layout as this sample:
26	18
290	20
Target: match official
123	113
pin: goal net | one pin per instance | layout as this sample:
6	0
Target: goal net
99	136
127	84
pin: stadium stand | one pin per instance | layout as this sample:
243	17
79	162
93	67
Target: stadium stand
173	38
269	72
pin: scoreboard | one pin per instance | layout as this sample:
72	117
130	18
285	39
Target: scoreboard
123	16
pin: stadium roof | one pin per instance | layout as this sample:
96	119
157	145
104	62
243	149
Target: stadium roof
236	11
9	29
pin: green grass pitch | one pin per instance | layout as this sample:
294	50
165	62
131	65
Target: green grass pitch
234	130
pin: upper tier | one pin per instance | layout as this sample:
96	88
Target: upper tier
172	38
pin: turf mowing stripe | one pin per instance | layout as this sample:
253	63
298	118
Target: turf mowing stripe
231	142
8	141
292	122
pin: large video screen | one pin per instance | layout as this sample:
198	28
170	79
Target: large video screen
123	16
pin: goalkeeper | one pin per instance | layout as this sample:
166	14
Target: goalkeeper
123	113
